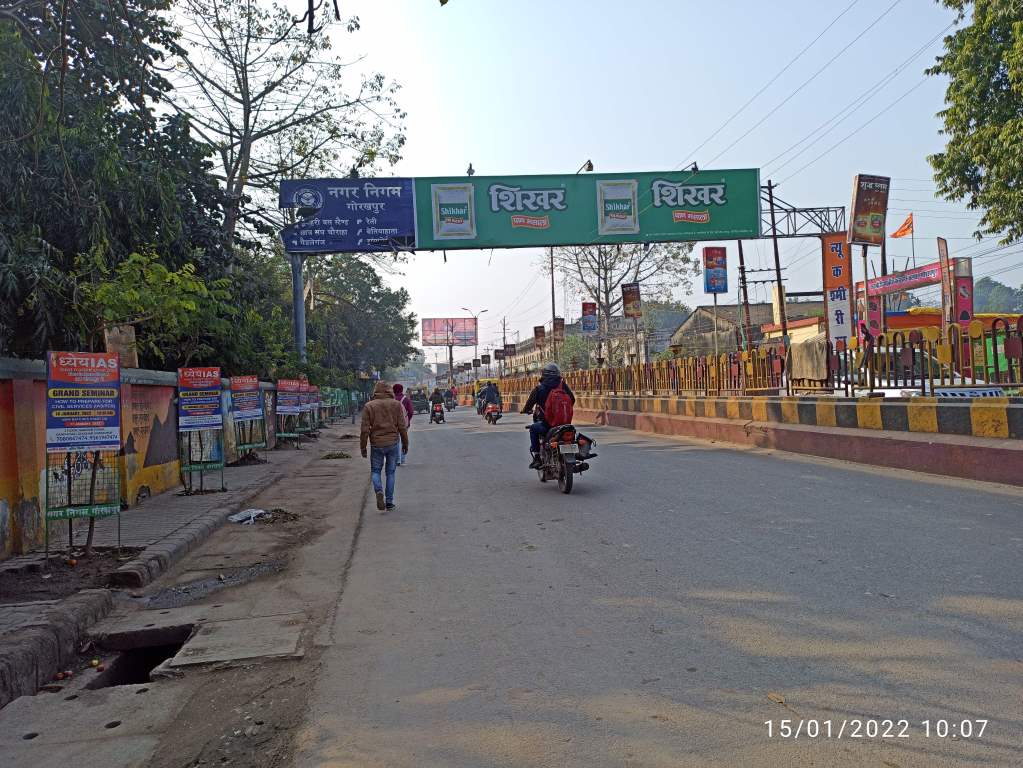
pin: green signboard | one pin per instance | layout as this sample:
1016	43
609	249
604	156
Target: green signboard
521	211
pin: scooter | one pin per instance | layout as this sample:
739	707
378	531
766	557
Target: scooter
492	413
564	453
437	414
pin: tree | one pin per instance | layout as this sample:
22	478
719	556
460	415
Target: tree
992	296
983	117
574	352
268	95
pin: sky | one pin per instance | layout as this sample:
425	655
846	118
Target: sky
534	86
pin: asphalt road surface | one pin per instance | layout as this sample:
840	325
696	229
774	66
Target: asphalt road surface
682	604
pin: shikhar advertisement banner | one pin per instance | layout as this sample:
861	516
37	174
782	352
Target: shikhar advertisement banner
715	270
352	215
246	399
632	303
869	209
288	400
588	320
199	405
83	402
838	282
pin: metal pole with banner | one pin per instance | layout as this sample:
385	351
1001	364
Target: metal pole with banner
247	413
83	439
946	285
715	281
200	425
632	306
289	410
838	287
867	227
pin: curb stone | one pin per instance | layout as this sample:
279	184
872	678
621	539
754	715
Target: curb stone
30	659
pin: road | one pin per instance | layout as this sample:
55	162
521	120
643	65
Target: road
683	596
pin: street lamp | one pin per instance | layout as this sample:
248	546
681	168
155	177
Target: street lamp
475	347
587	166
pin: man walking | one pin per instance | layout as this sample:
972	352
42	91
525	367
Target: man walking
406	404
384	429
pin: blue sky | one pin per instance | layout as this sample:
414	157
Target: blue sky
540	87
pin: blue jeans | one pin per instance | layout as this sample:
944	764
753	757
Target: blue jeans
537	430
378	457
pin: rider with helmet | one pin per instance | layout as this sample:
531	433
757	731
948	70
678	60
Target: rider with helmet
550	379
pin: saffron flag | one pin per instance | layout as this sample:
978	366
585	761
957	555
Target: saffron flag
906	228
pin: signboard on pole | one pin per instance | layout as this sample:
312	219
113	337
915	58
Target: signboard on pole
288	400
559	329
476	362
246	400
449	332
588	321
946	282
539	336
509	350
83	402
199	405
837	268
917	277
350	215
869	209
358	215
632	303
485	359
305	404
715	270
499	354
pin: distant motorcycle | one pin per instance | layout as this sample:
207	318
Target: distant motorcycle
449	403
492	413
564	453
437	414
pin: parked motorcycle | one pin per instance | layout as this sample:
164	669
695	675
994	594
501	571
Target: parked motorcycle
437	414
492	413
564	453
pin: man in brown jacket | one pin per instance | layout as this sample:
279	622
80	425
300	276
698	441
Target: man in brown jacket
384	427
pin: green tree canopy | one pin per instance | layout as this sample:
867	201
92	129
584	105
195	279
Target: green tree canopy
983	117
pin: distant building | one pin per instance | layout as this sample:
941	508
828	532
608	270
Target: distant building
695	336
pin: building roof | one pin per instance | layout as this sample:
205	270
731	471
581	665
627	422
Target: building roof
731	316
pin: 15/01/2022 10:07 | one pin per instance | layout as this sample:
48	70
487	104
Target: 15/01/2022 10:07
871	728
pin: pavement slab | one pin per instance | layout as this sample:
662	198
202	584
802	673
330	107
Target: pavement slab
262	637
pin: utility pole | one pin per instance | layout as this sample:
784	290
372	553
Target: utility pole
298	302
554	310
504	342
747	326
884	271
777	267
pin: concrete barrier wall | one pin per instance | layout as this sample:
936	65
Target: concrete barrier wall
149	462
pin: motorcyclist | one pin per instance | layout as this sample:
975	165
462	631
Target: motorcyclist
491	394
436	397
550	379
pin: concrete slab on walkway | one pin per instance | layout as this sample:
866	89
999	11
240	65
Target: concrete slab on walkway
262	637
129	752
137	710
14	616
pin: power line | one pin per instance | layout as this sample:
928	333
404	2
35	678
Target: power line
771	82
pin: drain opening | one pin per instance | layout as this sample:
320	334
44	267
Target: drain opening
134	666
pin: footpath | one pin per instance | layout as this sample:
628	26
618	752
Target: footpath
42	637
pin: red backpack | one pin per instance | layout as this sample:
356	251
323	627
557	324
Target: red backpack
557	411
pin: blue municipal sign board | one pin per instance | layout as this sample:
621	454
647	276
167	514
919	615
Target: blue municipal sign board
353	215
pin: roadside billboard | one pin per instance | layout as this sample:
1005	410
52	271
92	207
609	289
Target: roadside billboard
288	397
352	215
868	210
449	332
588	321
246	400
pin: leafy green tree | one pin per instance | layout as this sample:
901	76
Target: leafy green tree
574	352
983	117
992	296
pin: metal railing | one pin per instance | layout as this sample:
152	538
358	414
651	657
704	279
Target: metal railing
918	360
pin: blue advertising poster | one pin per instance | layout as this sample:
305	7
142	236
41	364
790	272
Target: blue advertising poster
288	397
199	405
246	399
350	215
715	270
83	402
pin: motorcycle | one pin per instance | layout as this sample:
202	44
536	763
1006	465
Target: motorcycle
492	413
437	414
564	453
449	403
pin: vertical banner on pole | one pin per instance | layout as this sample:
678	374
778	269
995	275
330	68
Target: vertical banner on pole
200	425
588	321
539	336
289	409
947	300
83	437
632	302
247	413
837	269
715	270
559	329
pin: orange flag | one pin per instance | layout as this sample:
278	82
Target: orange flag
906	228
